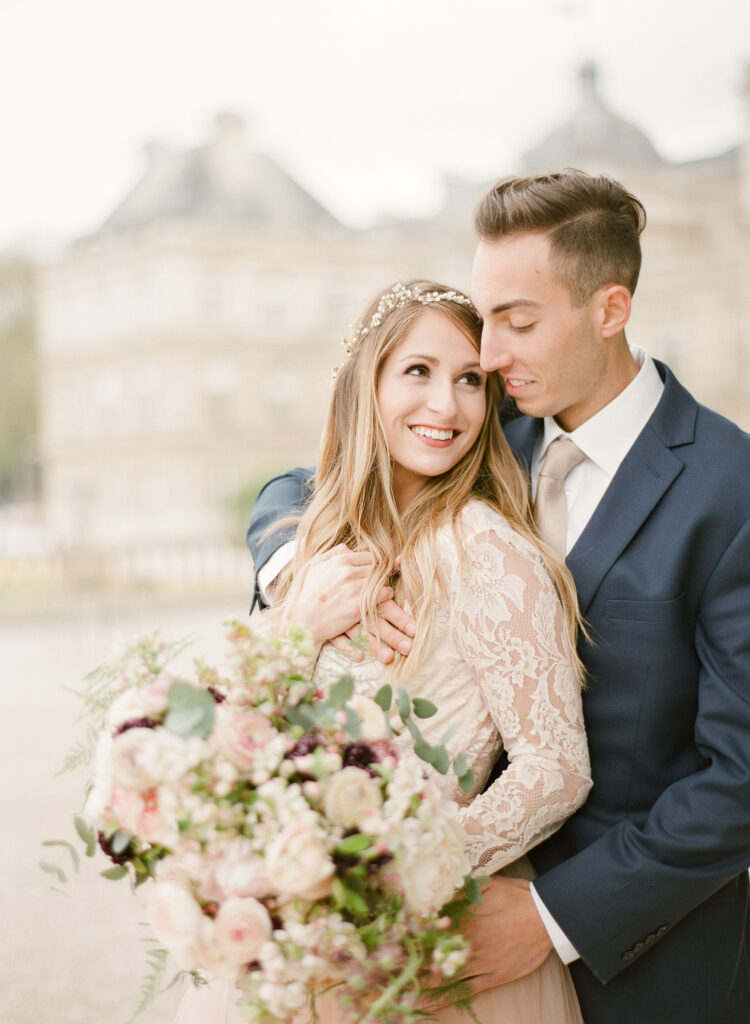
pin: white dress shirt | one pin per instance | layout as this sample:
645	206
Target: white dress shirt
605	440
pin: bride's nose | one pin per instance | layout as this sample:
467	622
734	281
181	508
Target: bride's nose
442	398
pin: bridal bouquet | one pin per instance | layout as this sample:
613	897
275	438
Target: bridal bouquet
290	845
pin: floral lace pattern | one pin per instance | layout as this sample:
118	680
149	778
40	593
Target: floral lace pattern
500	671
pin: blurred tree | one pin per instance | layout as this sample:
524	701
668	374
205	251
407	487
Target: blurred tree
18	407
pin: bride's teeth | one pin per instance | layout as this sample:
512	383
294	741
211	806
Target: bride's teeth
515	383
435	435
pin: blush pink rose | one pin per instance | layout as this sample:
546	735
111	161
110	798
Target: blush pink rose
141	815
241	736
241	927
209	955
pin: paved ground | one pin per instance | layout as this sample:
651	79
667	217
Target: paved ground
72	957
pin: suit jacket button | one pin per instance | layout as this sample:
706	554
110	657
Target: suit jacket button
627	955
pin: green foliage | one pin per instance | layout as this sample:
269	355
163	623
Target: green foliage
423	708
383	698
151	985
191	710
138	664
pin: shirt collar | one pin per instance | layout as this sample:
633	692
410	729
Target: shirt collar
609	434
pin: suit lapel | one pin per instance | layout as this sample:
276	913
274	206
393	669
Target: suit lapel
646	473
644	476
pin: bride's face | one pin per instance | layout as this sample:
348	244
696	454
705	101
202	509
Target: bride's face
431	398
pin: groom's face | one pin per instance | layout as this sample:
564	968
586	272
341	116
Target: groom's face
549	353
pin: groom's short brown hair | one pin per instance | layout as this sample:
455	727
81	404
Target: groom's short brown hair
593	224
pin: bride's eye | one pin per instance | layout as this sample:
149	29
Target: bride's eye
475	379
418	370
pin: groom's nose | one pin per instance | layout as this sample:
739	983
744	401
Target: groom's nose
493	354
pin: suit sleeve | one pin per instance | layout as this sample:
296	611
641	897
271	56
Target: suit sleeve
284	495
619	895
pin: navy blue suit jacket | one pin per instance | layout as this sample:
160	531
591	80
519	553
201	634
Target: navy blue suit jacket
648	879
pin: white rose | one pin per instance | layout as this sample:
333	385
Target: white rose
350	796
298	863
176	919
372	721
431	864
132	755
241	927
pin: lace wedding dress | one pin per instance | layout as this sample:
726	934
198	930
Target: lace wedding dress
499	671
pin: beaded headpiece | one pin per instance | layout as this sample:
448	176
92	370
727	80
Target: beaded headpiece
396	298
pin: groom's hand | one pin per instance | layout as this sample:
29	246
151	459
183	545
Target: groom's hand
507	935
395	628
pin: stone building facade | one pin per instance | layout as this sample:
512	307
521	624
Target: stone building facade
185	348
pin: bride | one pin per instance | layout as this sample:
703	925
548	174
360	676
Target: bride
415	473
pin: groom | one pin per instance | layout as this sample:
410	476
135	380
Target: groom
645	890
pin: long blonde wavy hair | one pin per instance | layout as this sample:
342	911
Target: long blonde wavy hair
353	501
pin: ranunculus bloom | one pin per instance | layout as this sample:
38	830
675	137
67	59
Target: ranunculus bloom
241	927
433	864
131	756
241	736
176	919
298	863
350	796
372	720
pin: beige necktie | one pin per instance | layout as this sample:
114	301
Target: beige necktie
550	506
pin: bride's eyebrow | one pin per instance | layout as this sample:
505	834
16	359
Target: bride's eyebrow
425	359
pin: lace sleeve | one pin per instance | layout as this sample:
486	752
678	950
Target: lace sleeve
509	628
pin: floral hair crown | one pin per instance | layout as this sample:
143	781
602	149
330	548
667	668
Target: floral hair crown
396	298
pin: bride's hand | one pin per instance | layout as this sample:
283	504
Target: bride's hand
326	597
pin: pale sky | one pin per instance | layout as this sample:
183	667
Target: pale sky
367	104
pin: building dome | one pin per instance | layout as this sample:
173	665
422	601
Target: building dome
591	136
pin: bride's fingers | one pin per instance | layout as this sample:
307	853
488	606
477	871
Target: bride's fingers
344	644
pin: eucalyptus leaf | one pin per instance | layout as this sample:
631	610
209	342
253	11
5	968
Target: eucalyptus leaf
87	834
442	760
113	874
460	766
466	781
341	691
71	850
404	704
353	724
449	733
302	716
423	749
383	697
191	710
423	708
53	869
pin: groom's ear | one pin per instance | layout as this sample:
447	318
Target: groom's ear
611	309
